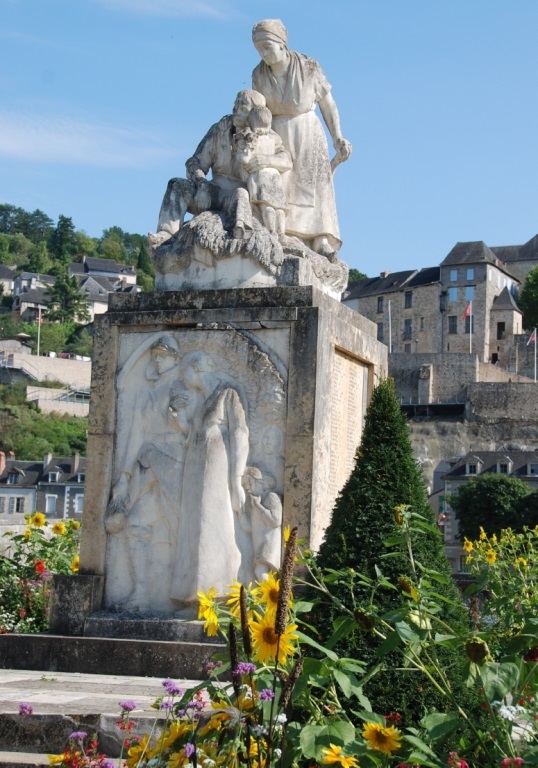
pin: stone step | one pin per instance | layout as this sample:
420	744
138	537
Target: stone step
107	655
23	760
66	702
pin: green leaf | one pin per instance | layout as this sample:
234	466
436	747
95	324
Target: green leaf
391	642
315	737
407	634
498	679
371	717
439	724
424	748
309	641
302	606
342	628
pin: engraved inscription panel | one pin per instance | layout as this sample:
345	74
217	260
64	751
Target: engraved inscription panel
348	404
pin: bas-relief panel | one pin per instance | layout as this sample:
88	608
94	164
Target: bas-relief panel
348	405
196	500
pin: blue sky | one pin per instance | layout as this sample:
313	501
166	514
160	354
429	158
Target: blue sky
102	101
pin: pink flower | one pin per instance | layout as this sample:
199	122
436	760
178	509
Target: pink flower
25	708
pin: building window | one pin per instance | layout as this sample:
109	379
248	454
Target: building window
533	469
16	504
53	477
502	469
453	275
421	323
13	478
380	331
471	469
469	292
79	503
470	273
380	303
452	294
407	349
2	505
408	299
50	504
469	324
452	323
408	328
464	566
81	478
501	327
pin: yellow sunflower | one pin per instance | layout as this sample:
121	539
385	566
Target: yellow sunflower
286	533
266	642
27	533
334	755
38	520
268	591
75	525
467	545
483	535
382	738
520	562
491	556
234	598
139	752
172	733
207	611
59	529
75	564
55	759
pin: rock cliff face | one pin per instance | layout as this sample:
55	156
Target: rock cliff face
440	439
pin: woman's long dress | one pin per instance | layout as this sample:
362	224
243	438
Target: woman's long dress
309	185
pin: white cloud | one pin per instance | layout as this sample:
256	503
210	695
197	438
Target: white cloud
169	7
44	139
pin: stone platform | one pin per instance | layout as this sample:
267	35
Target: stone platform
66	702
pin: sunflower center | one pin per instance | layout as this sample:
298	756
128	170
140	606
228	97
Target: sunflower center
269	636
273	595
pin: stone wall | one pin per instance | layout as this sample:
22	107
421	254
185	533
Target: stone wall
502	402
73	373
449	373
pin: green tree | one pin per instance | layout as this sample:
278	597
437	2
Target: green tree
355	275
528	300
30	434
38	259
67	302
109	248
85	245
62	242
5	256
144	269
386	476
491	502
80	342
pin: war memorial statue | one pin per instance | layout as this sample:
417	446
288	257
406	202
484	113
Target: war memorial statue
229	402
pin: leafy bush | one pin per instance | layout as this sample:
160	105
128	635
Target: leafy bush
27	569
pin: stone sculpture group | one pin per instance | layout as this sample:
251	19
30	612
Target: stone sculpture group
198	478
271	191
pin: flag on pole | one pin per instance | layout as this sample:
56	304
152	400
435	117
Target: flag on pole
467	312
532	338
388	312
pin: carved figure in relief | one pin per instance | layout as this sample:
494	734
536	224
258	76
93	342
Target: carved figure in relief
293	84
211	548
226	191
144	505
263	520
255	146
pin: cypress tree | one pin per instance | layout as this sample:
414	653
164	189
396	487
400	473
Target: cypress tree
385	476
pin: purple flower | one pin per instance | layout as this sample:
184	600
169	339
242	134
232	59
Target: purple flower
108	764
266	695
46	576
194	704
173	688
128	705
167	704
245	668
189	749
78	735
25	708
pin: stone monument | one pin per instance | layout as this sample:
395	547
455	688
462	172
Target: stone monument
230	401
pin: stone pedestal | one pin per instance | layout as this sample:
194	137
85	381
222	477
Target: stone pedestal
320	361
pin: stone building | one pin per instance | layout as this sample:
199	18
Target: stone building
457	472
54	486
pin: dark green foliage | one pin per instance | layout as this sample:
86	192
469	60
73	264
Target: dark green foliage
30	434
36	226
62	243
354	275
386	475
67	302
491	501
528	300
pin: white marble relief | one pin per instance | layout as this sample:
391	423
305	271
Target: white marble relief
186	512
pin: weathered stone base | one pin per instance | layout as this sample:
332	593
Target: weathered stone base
106	656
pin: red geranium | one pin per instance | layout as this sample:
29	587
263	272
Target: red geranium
40	566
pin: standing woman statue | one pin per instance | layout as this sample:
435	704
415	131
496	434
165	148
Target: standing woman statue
292	85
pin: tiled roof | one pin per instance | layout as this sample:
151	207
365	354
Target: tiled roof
505	300
476	252
488	461
6	273
370	286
